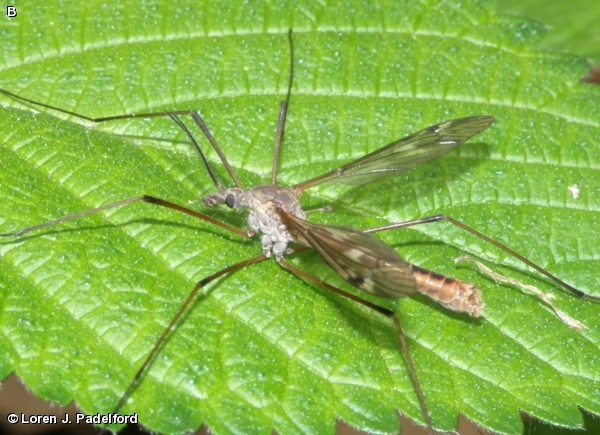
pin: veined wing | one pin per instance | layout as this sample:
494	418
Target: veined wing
363	261
404	154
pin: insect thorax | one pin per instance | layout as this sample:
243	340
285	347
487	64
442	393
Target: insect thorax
262	203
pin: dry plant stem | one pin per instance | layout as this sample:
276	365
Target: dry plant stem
546	298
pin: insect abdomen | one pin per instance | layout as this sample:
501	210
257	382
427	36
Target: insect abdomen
451	293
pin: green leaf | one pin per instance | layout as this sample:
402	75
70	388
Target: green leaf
572	26
84	302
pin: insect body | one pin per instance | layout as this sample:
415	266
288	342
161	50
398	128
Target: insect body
264	203
365	262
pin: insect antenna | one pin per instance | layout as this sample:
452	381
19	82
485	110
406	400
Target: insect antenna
200	123
191	138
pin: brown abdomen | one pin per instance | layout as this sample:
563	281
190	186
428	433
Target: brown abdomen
451	293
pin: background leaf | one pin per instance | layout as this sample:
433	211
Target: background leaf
83	303
572	26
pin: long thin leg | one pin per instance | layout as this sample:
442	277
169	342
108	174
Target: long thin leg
172	114
388	313
199	122
28	101
440	218
163	337
283	107
125	202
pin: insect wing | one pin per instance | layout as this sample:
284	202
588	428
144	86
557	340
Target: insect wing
365	262
405	154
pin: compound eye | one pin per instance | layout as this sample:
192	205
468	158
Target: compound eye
230	200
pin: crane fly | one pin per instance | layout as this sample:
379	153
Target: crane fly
275	213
